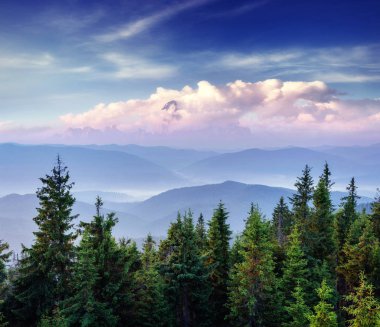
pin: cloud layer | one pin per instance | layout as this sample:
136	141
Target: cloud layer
272	110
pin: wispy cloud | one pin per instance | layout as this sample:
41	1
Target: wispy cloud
44	62
131	67
336	64
23	61
240	10
138	26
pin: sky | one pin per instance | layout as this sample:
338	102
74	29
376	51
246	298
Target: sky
190	73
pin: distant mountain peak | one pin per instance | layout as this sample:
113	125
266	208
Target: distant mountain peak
171	106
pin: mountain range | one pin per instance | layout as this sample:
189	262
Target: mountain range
153	215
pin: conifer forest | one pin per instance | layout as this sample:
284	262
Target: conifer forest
310	264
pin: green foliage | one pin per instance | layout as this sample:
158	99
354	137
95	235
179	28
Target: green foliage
44	275
282	221
324	315
149	304
4	258
348	214
297	310
375	217
55	320
361	253
300	199
201	233
364	308
267	278
218	261
295	270
320	229
253	286
186	277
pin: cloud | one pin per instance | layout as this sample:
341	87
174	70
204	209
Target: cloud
239	110
240	10
138	26
137	67
45	62
332	65
26	61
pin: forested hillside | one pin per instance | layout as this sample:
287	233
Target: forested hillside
312	264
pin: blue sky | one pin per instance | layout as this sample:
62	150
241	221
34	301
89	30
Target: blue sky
67	57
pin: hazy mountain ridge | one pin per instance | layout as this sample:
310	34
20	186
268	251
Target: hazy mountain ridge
21	166
153	215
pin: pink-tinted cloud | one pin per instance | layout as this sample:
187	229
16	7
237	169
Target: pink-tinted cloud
270	107
235	115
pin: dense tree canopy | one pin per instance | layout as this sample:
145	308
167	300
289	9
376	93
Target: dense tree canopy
311	265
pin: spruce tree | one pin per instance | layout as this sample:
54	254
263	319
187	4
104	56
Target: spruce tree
149	304
326	177
4	258
361	253
253	287
364	307
218	260
348	213
295	270
304	193
375	216
186	277
320	230
282	221
102	276
45	269
85	307
297	310
324	315
201	233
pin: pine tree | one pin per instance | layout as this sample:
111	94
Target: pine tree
236	251
361	253
375	216
201	233
300	200
295	270
282	221
88	305
218	260
364	308
319	240
348	213
324	315
4	258
85	308
320	230
297	310
45	269
185	274
149	305
253	286
326	177
102	289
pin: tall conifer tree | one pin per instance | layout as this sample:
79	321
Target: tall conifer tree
282	221
253	288
185	274
324	314
218	260
45	268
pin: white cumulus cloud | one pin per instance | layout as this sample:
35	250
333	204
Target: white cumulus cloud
271	107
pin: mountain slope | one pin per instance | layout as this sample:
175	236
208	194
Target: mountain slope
21	167
170	158
273	167
17	225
